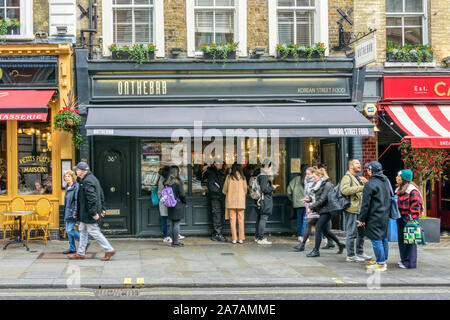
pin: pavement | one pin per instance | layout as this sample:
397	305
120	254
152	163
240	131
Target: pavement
201	263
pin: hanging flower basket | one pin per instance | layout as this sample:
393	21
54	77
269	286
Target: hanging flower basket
68	119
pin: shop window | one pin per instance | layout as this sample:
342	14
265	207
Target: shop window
155	155
34	144
296	21
3	160
406	22
133	21
199	173
214	21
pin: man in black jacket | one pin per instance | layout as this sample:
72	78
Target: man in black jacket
90	208
374	214
216	180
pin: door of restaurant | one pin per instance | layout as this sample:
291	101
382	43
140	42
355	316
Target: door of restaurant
112	166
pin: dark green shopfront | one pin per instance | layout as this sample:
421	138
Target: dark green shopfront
133	115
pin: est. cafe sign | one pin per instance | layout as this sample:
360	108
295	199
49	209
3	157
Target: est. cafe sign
401	88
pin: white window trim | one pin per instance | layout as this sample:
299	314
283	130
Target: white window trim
424	15
240	29
26	23
158	28
320	27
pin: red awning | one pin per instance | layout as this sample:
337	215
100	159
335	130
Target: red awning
428	126
24	105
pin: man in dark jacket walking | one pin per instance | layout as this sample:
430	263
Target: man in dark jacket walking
375	210
216	180
90	208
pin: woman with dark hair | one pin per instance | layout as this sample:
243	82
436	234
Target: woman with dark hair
235	190
410	205
176	213
163	175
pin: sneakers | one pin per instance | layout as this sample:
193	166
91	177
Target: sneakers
219	237
313	254
401	265
263	241
364	256
300	239
180	237
241	241
376	266
167	239
233	241
354	259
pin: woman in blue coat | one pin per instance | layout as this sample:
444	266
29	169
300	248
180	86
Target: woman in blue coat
70	210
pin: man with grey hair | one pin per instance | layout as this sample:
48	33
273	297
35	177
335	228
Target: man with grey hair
90	207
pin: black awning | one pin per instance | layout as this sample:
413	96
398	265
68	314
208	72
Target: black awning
292	121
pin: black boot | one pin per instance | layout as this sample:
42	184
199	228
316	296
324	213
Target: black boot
313	254
329	246
341	248
300	247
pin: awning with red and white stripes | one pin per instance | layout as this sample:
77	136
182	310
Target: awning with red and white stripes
428	126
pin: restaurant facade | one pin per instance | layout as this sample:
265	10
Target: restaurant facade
35	80
293	112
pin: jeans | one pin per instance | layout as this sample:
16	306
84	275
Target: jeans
301	221
322	228
175	230
164	226
408	252
381	250
93	230
354	234
261	226
217	216
72	234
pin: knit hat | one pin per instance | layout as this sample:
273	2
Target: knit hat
406	174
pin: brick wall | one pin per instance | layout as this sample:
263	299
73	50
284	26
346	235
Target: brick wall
369	148
333	17
84	24
439	29
257	24
40	16
175	25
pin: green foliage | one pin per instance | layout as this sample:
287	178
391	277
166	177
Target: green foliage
68	119
291	49
407	53
220	50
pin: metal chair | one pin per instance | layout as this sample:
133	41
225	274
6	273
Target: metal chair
41	220
16	204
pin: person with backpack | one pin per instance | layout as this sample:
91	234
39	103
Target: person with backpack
375	211
296	194
410	205
216	199
352	185
235	190
320	206
163	175
265	203
174	199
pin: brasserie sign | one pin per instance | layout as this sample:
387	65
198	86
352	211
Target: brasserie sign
104	88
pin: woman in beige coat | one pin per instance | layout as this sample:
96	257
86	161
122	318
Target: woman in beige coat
235	190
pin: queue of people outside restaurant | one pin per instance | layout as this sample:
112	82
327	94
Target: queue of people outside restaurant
367	211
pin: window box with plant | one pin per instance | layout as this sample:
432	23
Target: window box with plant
9	27
417	53
138	53
295	51
220	51
68	119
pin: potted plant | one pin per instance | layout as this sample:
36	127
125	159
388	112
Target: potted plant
408	53
221	51
288	51
9	26
294	51
68	119
119	53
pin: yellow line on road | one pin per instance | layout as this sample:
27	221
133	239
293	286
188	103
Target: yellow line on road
45	294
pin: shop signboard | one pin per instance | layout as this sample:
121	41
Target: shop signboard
404	88
196	87
18	71
365	52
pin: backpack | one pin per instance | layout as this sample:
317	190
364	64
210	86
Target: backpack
336	200
155	198
254	188
168	198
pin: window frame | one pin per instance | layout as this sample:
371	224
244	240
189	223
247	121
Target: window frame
240	25
320	23
26	23
404	14
158	25
294	10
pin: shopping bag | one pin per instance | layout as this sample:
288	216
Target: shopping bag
413	233
392	232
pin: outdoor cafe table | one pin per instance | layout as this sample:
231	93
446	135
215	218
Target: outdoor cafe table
18	216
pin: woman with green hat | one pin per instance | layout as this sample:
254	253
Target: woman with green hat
410	205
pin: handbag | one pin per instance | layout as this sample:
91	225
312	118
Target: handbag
413	232
394	212
392	233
